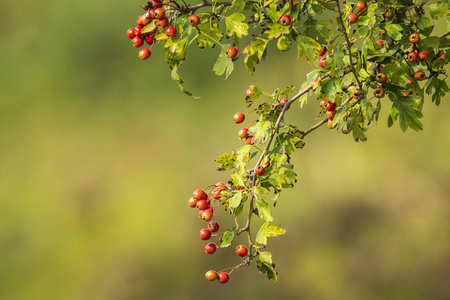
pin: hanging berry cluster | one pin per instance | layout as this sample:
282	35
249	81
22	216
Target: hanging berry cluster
367	52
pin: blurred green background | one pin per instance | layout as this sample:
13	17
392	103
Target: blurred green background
99	153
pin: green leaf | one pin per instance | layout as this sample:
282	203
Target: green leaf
307	47
251	98
287	90
179	82
276	30
262	130
267	268
319	30
224	64
257	46
268	231
235	201
439	9
263	210
227	239
284	42
250	61
209	33
331	88
150	27
243	156
265	257
235	25
394	30
226	161
431	42
423	22
238	179
408	114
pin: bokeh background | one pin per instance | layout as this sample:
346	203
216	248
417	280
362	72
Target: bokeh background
99	153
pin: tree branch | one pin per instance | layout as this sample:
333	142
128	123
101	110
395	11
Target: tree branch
349	48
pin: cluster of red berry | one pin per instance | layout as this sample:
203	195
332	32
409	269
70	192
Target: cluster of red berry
331	110
206	208
158	16
360	7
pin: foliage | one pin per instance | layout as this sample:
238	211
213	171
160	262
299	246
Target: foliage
367	63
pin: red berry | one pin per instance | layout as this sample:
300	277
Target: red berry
423	55
146	19
216	193
248	140
379	92
207	214
381	78
323	51
284	101
419	76
285	20
144	53
249	92
202	204
205	234
356	93
194	20
137	31
139	21
171	31
259	170
151	13
160	13
381	43
239	118
150	40
210	248
243	133
352	17
211	275
192	202
163	22
223	277
137	42
360	6
156	3
414	38
200	194
313	83
323	103
241	250
231	52
330	123
331	106
331	114
413	57
200	213
213	226
322	61
388	14
442	57
130	33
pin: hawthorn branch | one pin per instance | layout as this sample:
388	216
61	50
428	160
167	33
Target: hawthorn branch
445	34
349	47
308	131
205	3
263	153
